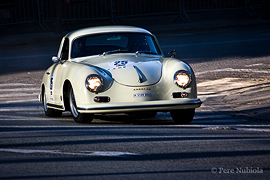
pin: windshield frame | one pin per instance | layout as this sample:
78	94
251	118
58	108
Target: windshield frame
155	43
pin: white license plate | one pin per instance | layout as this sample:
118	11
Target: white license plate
142	95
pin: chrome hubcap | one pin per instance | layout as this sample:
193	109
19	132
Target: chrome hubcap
72	103
44	102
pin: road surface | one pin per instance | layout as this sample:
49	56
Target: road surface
224	141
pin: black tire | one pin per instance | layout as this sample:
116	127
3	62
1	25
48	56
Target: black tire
78	117
49	111
182	116
151	114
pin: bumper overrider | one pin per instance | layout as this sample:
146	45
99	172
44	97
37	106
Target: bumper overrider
164	105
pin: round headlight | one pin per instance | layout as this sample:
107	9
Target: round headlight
94	83
182	78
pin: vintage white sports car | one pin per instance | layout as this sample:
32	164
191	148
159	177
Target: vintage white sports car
114	69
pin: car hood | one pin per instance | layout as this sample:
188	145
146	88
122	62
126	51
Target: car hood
130	70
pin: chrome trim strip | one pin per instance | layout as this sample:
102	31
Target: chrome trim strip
141	106
55	106
139	74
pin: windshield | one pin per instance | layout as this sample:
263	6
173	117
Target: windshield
114	43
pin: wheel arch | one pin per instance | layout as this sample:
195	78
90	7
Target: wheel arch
171	66
42	92
66	86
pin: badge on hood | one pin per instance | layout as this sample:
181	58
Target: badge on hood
119	64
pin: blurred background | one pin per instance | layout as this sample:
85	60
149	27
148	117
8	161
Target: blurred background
65	15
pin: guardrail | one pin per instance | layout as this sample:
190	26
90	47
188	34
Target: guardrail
42	11
18	11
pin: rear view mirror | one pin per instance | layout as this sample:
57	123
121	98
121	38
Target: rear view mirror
172	53
56	59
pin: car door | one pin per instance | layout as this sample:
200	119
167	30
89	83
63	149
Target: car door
56	80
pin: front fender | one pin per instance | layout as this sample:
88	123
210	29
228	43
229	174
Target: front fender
170	67
77	73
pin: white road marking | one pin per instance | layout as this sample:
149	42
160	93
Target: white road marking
19	89
252	65
233	70
18	101
247	127
21	108
238	128
110	153
15	84
253	129
82	153
21	118
18	95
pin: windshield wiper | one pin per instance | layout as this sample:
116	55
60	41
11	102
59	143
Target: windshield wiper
145	52
114	51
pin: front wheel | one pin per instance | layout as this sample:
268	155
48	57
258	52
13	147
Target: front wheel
77	116
182	116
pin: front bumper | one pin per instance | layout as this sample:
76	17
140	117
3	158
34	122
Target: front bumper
164	105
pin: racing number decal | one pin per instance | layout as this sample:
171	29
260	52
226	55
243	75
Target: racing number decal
51	80
120	64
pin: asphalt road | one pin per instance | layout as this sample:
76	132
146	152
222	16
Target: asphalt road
36	147
218	144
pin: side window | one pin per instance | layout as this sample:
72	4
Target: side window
65	49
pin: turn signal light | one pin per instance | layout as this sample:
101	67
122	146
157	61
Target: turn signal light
179	95
102	99
184	94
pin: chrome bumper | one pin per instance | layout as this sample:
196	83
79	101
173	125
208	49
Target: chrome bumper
141	106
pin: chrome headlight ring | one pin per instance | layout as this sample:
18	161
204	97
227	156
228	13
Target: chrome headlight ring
94	83
182	78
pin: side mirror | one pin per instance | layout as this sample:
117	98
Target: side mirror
56	59
172	53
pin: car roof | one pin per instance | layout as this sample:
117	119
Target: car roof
105	29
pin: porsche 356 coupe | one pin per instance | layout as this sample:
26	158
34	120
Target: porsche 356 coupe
117	69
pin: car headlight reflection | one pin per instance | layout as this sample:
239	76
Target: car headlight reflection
94	83
182	78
